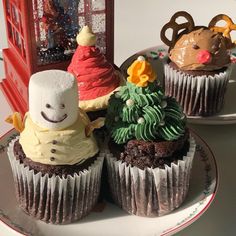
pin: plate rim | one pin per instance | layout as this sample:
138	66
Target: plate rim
5	222
210	201
18	229
201	120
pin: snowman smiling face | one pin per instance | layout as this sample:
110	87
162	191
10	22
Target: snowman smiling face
44	115
53	99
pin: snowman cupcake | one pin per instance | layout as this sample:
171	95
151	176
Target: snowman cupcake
55	160
97	78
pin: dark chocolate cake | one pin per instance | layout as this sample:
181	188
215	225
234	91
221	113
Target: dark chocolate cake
153	154
61	170
197	72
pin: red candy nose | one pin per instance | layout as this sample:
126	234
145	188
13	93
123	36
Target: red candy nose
204	57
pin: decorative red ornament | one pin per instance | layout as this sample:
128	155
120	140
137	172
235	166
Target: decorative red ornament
233	60
161	55
41	35
204	57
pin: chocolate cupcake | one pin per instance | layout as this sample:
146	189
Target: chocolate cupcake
198	69
55	160
151	151
97	78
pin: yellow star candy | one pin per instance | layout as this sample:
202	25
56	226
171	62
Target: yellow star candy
140	72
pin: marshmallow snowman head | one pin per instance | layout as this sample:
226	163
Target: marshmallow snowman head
53	99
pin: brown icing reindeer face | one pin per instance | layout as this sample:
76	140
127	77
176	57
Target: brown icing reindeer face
199	47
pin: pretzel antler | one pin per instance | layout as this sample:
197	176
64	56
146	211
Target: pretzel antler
225	30
172	24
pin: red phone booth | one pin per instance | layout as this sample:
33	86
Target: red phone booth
41	35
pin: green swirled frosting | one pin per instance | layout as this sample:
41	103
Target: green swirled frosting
144	113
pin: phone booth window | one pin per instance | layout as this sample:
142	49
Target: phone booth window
41	35
57	22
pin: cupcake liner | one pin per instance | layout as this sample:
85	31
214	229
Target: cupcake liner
198	95
150	192
55	199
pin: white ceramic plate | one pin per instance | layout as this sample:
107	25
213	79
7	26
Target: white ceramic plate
112	220
228	113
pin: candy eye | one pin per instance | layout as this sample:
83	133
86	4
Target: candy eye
48	105
195	46
62	106
216	46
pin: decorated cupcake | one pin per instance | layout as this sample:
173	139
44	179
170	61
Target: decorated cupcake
97	78
198	69
151	151
55	160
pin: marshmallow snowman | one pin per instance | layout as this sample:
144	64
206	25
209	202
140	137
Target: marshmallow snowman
53	99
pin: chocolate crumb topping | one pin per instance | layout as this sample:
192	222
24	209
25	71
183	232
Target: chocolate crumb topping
151	154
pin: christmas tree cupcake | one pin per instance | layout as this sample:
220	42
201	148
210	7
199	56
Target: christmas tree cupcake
198	68
55	160
97	78
151	151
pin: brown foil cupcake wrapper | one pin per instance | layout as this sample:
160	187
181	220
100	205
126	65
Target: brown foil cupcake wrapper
55	199
150	192
198	95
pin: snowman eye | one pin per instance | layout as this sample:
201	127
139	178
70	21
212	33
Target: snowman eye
62	106
48	105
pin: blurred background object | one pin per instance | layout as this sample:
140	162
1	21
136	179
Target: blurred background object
41	35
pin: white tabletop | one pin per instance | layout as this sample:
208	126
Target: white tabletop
137	26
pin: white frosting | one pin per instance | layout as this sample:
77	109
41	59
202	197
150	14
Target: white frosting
141	58
54	94
129	102
163	104
140	120
86	37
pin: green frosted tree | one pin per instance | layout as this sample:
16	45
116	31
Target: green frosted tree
139	110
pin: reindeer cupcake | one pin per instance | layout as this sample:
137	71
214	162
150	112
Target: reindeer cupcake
198	68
